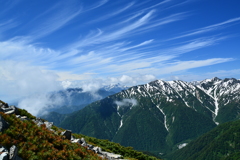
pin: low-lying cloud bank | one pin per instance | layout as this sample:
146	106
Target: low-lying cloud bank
30	87
93	85
19	80
27	86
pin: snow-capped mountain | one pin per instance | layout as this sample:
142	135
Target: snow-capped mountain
114	88
168	112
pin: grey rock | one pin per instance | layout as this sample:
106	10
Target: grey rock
4	105
10	112
67	134
3	124
48	124
8	109
13	153
84	144
5	109
15	109
3	149
90	147
18	116
75	141
83	140
24	118
97	150
3	153
72	138
112	155
4	156
38	121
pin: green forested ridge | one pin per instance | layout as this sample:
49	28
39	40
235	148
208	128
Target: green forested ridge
38	143
221	143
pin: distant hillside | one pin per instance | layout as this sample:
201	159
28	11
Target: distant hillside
171	113
221	143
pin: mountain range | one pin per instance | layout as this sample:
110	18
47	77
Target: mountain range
161	116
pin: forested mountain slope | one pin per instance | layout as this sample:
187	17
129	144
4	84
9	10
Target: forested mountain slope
220	143
170	113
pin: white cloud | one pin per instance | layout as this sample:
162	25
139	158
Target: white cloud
184	65
39	104
19	80
21	51
93	84
112	14
63	76
126	102
51	19
208	28
134	80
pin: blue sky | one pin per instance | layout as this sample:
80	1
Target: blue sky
124	41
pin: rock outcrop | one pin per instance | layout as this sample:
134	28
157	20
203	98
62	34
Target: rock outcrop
5	108
3	124
110	156
9	155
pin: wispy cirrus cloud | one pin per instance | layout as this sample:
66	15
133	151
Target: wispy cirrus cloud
185	65
113	14
208	28
96	5
126	29
61	14
131	39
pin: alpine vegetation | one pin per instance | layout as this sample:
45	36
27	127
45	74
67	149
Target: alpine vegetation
24	136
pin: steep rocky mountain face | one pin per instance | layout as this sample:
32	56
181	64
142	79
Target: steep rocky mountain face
226	96
159	117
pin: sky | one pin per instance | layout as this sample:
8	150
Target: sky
47	45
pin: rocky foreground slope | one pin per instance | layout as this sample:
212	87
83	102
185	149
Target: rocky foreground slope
23	136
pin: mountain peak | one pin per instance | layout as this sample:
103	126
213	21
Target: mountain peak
215	79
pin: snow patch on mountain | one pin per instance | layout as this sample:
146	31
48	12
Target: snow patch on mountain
165	118
180	146
216	105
